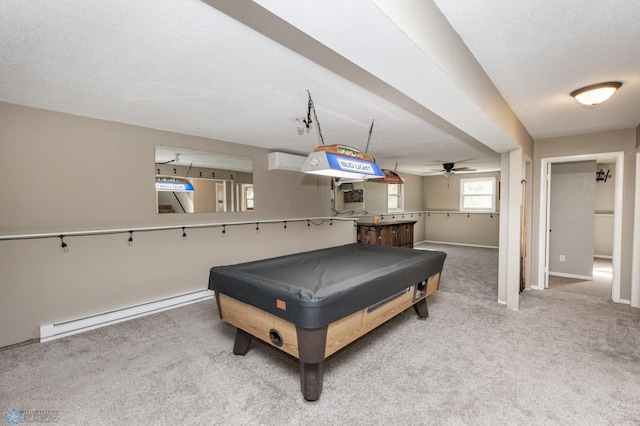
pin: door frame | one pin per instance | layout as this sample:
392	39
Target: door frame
635	271
543	219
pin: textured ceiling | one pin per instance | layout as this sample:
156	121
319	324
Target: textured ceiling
187	66
537	52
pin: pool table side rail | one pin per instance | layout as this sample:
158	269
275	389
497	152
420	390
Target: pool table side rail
340	333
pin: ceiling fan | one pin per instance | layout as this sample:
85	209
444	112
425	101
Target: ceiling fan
449	169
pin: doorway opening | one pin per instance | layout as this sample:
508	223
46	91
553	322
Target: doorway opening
544	219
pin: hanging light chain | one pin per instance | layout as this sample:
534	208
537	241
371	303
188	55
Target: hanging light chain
311	107
369	139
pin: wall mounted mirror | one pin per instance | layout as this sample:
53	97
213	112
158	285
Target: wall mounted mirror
193	181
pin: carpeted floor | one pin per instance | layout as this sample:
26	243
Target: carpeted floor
562	359
600	286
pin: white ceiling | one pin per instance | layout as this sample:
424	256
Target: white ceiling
187	66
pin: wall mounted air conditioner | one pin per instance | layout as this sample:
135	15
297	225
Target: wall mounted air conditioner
284	161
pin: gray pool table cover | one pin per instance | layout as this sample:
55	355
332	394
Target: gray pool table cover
322	286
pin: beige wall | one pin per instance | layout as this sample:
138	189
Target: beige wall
443	195
435	193
62	173
475	229
414	202
603	142
572	218
84	173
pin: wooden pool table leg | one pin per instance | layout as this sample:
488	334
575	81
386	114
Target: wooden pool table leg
421	308
311	380
311	349
242	342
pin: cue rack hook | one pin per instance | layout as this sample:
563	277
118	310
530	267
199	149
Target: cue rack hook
63	244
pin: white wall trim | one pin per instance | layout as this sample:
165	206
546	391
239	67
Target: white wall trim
454	244
635	264
618	157
503	241
577	277
516	174
57	330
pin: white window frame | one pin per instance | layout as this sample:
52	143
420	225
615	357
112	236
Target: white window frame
248	203
399	195
492	195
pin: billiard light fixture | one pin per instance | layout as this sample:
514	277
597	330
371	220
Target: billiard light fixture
390	176
595	94
339	161
173	185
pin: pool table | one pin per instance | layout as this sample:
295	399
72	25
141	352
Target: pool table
312	304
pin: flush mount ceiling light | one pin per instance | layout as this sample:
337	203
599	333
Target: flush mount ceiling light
596	93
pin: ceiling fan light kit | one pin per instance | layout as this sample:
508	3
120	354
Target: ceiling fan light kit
595	94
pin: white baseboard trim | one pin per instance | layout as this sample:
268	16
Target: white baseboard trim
577	277
55	331
603	256
454	244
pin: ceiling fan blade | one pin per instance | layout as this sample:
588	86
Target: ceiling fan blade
466	160
463	169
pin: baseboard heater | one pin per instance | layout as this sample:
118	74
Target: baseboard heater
68	328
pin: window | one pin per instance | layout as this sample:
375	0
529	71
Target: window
247	197
394	197
478	195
